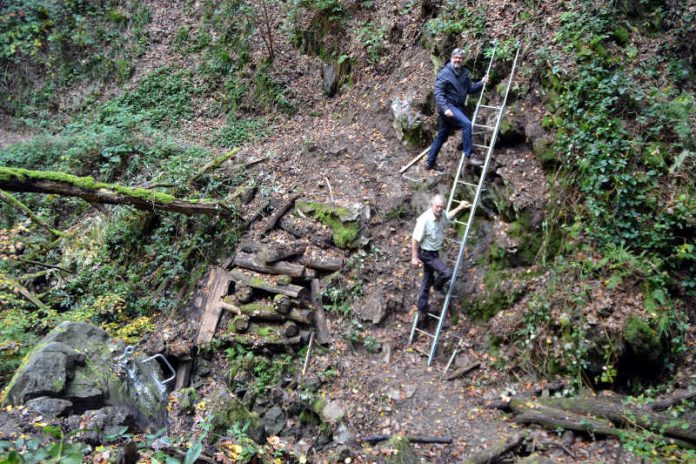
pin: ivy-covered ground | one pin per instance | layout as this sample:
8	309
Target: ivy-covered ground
582	265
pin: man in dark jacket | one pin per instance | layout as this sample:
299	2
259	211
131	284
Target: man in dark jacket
451	88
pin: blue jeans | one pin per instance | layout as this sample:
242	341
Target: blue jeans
445	127
431	264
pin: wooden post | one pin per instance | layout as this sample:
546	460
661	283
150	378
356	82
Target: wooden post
323	335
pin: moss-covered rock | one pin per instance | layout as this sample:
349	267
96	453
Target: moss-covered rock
643	341
227	411
343	222
80	363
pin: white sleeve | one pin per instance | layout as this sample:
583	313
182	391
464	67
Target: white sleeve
419	230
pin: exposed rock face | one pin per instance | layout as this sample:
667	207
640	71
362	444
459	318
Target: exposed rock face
78	367
227	411
408	123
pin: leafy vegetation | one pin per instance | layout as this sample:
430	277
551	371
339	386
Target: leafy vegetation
52	45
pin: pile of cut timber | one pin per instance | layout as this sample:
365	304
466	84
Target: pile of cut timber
272	293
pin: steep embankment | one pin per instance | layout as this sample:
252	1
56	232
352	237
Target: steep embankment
580	266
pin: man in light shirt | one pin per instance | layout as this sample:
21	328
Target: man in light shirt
426	243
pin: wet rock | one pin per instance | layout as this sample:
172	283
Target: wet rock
50	407
408	123
227	410
80	363
274	420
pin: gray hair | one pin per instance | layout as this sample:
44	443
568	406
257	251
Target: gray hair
437	198
458	52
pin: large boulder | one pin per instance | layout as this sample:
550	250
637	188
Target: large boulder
77	367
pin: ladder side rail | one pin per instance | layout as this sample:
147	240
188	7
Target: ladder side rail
472	214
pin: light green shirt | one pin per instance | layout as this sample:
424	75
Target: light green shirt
429	232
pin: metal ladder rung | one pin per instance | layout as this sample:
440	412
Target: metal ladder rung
490	107
463	182
434	316
453	241
459	222
425	333
484	126
481	146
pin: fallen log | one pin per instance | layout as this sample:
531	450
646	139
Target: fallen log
410	438
279	213
495	452
306	229
290	329
59	183
323	334
463	371
626	415
278	252
21	207
257	213
253	263
293	291
675	398
266	313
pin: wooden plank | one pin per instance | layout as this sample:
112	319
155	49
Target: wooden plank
217	287
414	161
290	290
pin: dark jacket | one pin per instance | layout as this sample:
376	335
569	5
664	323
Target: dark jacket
450	89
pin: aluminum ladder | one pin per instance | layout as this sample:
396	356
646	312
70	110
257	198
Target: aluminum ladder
459	186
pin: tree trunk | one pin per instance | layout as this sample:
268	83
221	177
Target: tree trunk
271	343
58	183
626	415
293	291
290	329
243	294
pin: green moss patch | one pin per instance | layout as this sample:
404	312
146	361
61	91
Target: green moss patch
345	231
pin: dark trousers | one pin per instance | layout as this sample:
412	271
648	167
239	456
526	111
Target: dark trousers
431	265
445	127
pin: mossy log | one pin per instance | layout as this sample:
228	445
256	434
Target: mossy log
18	205
255	343
59	183
626	415
254	263
600	416
271	253
293	291
265	312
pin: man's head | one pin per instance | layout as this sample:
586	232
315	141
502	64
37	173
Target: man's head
437	203
457	59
